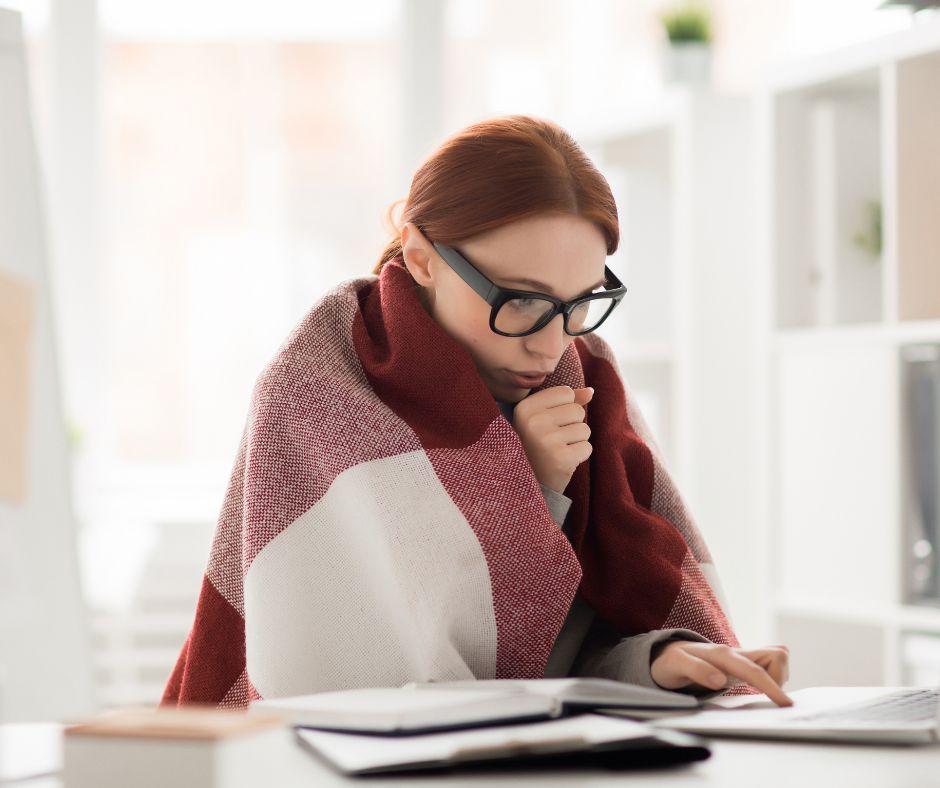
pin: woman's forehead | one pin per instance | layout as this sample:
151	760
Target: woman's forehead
561	256
527	283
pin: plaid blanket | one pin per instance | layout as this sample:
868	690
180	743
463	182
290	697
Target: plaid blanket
383	525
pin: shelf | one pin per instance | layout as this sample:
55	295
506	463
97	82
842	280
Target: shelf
828	195
816	336
922	39
916	331
899	617
916	617
851	279
897	334
855	186
919	654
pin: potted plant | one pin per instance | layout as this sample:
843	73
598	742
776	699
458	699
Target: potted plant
688	58
869	237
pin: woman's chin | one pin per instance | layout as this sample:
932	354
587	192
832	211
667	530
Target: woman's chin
505	393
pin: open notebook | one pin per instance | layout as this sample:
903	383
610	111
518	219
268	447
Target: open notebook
587	739
449	705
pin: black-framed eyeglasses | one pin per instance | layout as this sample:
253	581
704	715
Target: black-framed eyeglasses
516	313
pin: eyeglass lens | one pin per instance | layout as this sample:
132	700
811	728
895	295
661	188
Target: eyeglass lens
519	315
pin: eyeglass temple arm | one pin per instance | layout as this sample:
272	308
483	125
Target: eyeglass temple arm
468	272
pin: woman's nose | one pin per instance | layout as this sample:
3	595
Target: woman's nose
550	340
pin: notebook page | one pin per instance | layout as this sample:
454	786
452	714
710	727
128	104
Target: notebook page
356	752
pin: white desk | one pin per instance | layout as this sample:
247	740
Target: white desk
748	764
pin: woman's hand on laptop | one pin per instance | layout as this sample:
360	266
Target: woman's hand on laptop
712	666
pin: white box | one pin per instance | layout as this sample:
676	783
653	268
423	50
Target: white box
196	748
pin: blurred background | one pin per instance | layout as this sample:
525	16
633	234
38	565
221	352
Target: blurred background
210	169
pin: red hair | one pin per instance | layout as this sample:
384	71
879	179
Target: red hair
496	172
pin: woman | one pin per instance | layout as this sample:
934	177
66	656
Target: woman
443	476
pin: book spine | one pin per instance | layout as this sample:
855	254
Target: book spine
922	382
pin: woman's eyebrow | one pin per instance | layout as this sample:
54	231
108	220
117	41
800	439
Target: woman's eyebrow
541	286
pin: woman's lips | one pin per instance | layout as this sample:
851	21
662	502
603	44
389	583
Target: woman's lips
527	382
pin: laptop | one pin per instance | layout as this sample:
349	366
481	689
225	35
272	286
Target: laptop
889	715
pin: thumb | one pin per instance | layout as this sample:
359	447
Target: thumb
583	396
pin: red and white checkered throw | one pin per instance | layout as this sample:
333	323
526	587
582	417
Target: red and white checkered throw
383	524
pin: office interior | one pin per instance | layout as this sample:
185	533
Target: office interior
205	171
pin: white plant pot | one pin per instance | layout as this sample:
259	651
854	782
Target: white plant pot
688	62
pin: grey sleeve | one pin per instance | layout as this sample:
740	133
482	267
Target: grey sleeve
558	504
603	653
629	659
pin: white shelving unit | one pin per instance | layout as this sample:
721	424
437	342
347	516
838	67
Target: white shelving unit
682	176
849	163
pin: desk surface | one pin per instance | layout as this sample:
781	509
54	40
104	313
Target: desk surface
749	764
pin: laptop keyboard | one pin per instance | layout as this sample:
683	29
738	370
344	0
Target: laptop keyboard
917	705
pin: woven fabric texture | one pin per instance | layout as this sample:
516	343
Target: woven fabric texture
382	523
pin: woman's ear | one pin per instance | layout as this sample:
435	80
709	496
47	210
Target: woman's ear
417	253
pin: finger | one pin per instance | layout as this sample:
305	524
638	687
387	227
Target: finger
579	452
738	666
777	648
562	415
574	433
548	398
775	661
583	396
699	671
774	668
